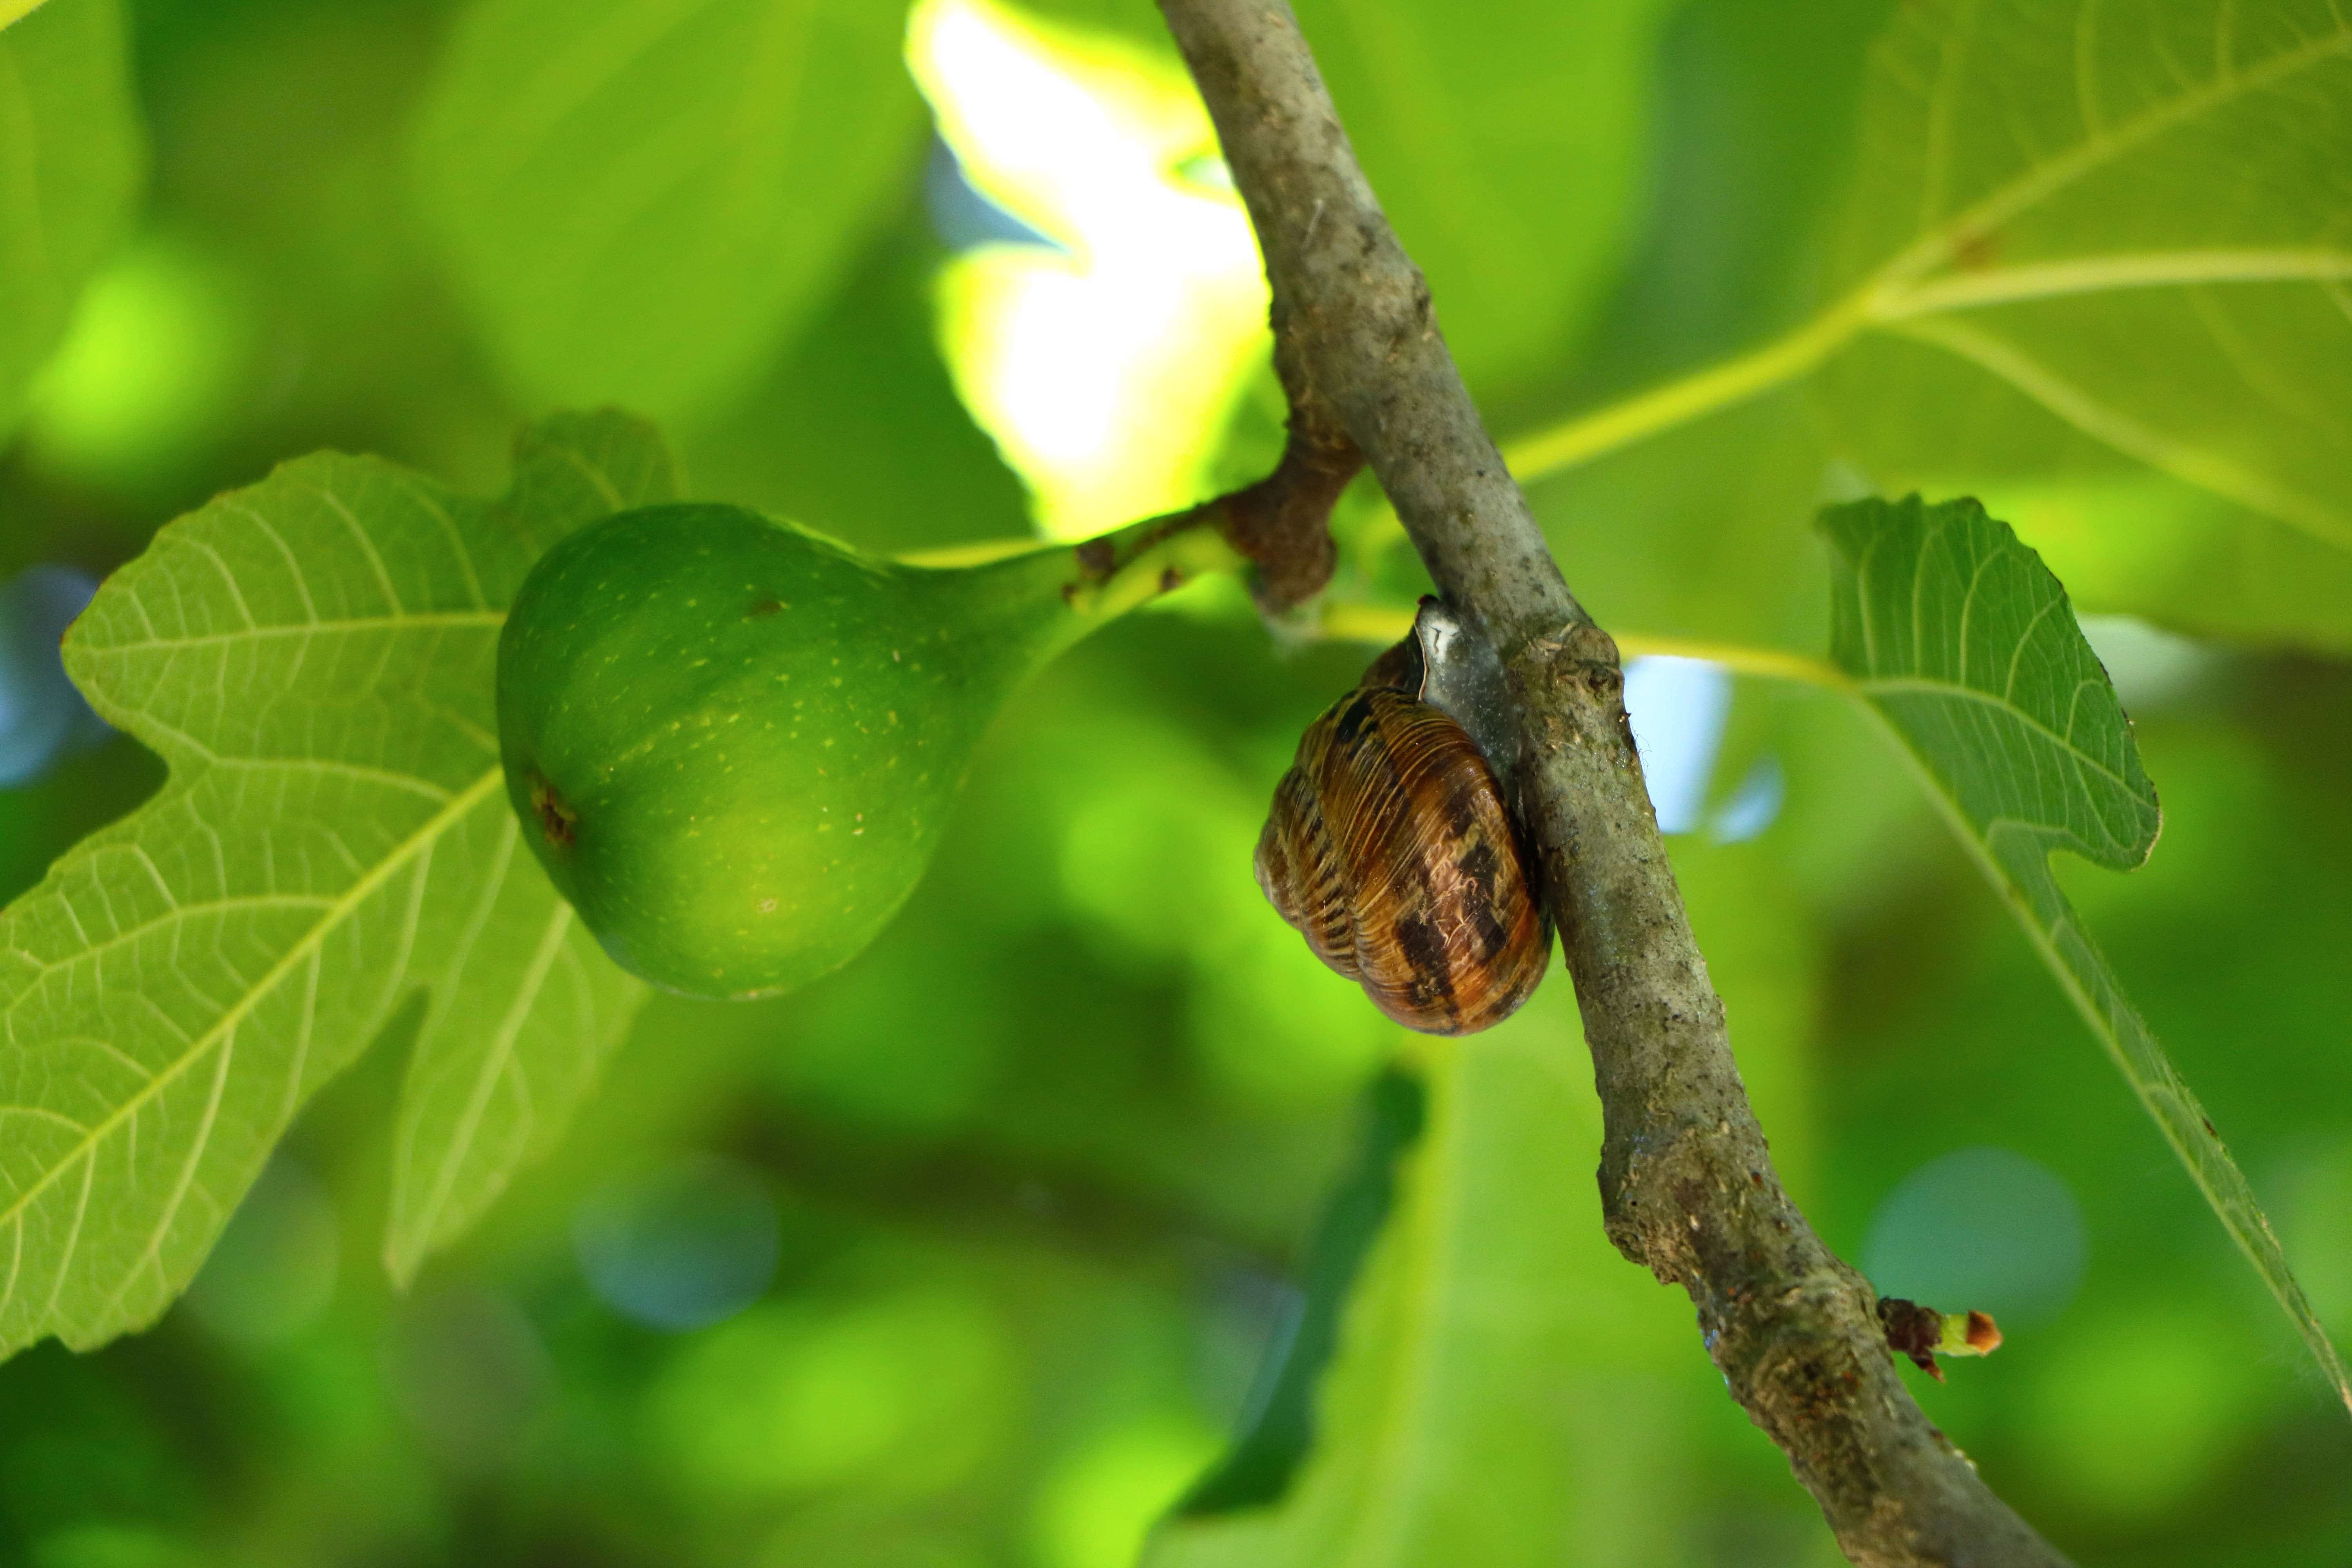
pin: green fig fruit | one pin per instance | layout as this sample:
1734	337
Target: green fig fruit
734	743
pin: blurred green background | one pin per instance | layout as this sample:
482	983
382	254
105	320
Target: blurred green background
970	1254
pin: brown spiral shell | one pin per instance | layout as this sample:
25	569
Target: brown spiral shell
1390	849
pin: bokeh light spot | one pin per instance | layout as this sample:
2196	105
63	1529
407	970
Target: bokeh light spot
1982	1229
903	1391
679	1248
1273	1026
148	370
1156	857
1105	366
2140	1408
43	717
1156	849
1098	1505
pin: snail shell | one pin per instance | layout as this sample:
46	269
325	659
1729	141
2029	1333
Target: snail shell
1390	847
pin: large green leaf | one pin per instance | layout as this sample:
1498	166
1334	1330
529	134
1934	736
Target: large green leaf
1965	644
72	158
2089	238
1265	1458
1475	1409
640	198
1431	1425
2146	544
1711	558
2095	262
1689	534
1512	171
312	657
860	390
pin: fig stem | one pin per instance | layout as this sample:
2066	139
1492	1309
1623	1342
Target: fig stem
1104	577
1120	570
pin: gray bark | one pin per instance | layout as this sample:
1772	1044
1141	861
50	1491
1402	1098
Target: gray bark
1688	1187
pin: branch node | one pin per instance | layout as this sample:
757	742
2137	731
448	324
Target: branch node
1282	523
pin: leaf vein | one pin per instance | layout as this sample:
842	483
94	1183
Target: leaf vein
1883	685
338	909
2207	469
495	1066
406	621
1938	245
367	547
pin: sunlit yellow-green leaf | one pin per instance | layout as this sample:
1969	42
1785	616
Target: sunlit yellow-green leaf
1104	361
2093	238
311	655
1514	175
638	200
148	369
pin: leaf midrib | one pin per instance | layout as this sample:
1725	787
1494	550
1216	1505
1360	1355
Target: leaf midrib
336	912
1889	297
2113	271
352	626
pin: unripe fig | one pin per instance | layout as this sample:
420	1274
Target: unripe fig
734	743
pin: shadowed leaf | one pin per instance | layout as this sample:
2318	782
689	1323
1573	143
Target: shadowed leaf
1966	645
1441	1427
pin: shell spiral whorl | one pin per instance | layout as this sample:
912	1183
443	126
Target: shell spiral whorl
1390	847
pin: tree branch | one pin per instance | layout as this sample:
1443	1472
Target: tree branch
1687	1188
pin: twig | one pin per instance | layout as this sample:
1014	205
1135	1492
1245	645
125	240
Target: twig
1687	1188
1279	525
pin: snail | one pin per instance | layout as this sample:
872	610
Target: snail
1391	846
